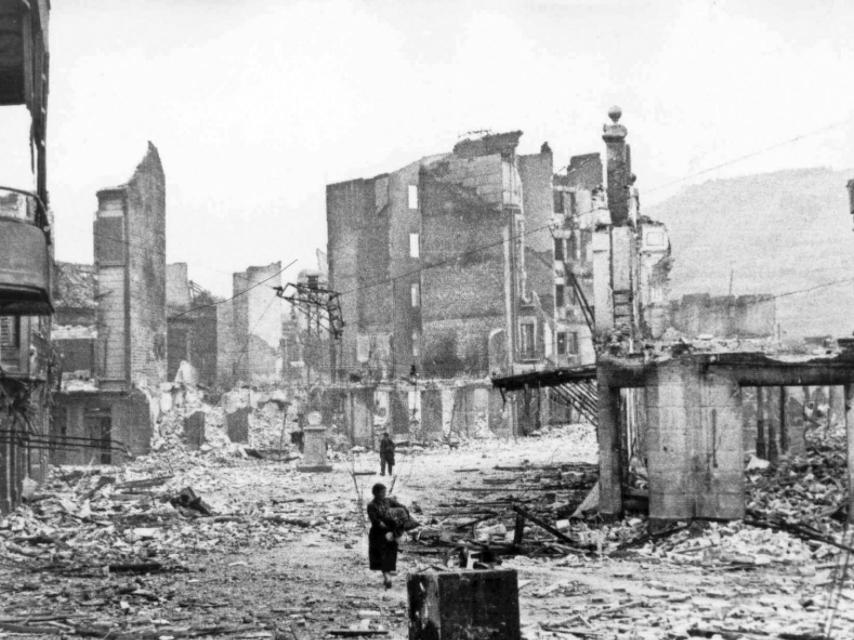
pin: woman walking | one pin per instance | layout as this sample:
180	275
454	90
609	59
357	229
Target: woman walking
387	527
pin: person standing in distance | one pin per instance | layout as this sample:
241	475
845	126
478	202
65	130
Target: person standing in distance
386	454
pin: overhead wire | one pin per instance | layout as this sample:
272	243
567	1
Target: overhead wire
238	294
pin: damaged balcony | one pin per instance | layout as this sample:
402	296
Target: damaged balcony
25	266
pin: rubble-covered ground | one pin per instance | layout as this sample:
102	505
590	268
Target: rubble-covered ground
257	549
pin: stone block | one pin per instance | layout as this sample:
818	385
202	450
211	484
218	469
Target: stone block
194	430
237	425
462	605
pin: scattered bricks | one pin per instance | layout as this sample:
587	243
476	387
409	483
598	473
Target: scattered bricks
237	425
194	430
457	605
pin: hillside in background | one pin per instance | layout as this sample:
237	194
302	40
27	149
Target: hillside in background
779	233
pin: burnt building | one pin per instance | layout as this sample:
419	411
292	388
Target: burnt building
191	326
446	273
111	412
249	329
26	257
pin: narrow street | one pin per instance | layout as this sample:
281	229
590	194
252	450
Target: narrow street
284	555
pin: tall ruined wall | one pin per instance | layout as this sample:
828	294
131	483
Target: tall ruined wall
536	172
257	323
226	345
463	297
146	235
358	215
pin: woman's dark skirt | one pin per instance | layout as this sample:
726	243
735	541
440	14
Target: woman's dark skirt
382	553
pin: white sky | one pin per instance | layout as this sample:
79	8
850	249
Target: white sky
256	105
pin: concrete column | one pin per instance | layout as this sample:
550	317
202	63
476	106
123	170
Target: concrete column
719	480
694	443
314	454
784	422
672	390
602	299
761	448
618	170
610	489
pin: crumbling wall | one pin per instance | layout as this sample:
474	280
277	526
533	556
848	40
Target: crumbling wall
146	281
257	324
357	215
462	297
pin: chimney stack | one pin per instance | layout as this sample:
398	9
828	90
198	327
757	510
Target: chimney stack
619	168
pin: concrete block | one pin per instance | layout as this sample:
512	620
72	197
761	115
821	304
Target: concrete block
237	425
464	605
194	430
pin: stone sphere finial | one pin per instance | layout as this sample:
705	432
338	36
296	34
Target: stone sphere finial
615	113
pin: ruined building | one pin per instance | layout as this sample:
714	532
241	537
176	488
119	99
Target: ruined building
191	328
309	350
26	257
115	410
452	269
249	329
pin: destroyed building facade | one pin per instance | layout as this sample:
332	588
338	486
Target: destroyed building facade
191	329
26	259
114	410
460	266
249	328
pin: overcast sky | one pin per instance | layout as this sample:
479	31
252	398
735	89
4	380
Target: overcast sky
256	105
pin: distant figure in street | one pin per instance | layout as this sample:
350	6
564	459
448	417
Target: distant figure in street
386	454
386	532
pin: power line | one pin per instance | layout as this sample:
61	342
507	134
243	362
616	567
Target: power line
440	263
131	245
750	155
236	295
823	285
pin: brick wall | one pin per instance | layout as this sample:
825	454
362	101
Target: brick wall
146	234
130	263
226	345
257	323
358	214
462	299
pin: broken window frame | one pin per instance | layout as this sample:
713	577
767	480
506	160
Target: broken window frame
572	345
10	342
414	245
560	295
559	249
561	343
412	197
527	340
415	295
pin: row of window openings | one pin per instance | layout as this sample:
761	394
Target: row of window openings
567	342
561	296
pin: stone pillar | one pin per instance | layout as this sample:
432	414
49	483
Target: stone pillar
314	452
719	449
694	443
608	430
672	389
618	169
602	299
